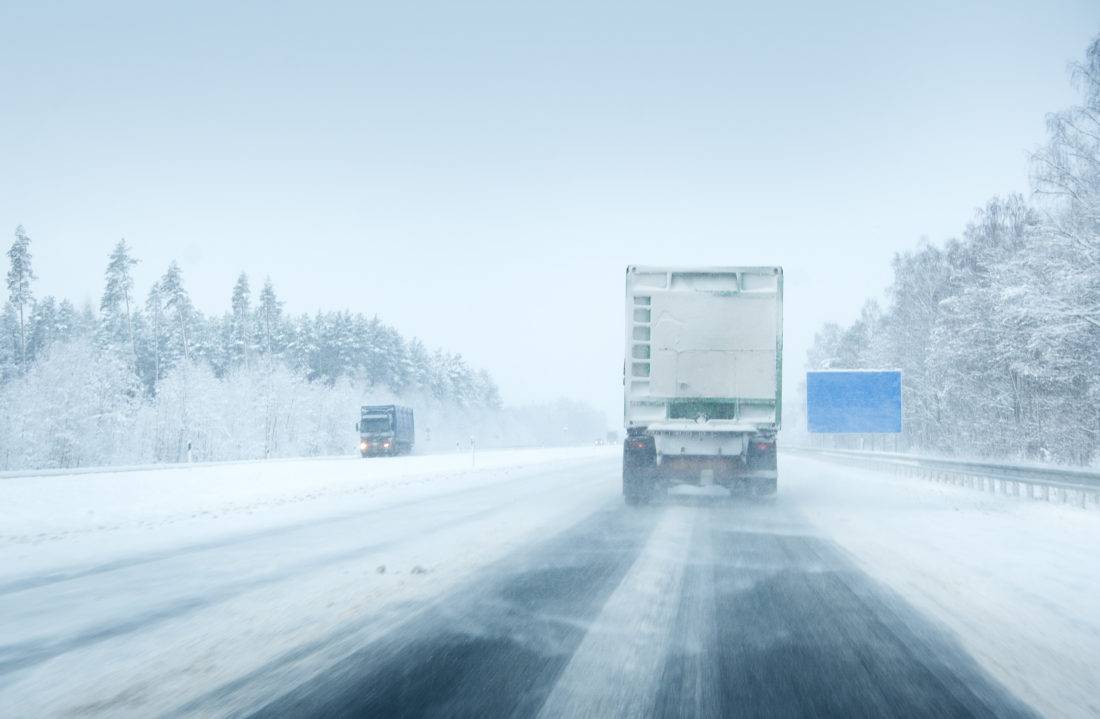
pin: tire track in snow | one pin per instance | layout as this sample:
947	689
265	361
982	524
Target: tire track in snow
719	610
492	648
614	672
19	656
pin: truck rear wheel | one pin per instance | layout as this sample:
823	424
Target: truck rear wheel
639	464
637	485
766	488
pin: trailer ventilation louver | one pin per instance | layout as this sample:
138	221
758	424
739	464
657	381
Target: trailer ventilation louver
640	351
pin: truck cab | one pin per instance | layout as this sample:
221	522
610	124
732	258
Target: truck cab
385	430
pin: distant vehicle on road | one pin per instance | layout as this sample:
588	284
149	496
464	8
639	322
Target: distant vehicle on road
702	378
385	429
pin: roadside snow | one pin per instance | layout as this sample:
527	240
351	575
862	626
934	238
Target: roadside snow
1018	581
149	592
160	507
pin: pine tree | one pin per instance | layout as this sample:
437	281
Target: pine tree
240	336
9	342
154	305
115	305
19	286
43	328
270	313
177	303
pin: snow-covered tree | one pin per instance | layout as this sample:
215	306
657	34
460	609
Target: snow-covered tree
250	383
116	317
177	304
270	315
154	306
240	335
20	275
76	407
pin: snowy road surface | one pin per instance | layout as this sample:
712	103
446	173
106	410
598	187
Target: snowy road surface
423	586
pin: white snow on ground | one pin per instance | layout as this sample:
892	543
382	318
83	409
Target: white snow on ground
216	572
168	506
224	569
1018	581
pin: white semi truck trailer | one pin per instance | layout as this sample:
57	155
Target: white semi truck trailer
702	378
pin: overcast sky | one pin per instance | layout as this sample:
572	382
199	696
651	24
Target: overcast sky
479	174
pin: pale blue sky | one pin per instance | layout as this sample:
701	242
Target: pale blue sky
479	174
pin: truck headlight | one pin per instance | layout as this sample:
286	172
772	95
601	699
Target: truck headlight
363	446
386	445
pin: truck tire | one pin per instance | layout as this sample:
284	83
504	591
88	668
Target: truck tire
637	485
766	488
639	463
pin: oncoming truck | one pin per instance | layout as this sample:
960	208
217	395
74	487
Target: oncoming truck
702	378
385	429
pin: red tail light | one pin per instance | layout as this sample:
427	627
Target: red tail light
765	447
640	445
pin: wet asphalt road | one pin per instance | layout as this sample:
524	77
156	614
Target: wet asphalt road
686	609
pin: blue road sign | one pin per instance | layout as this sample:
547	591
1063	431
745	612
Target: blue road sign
853	402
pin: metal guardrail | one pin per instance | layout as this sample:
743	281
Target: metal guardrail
1080	487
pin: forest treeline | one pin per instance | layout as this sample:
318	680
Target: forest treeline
151	379
997	333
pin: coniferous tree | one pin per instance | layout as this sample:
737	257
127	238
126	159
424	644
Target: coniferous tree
154	305
19	286
43	328
114	307
240	321
177	303
68	322
9	342
201	385
270	313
